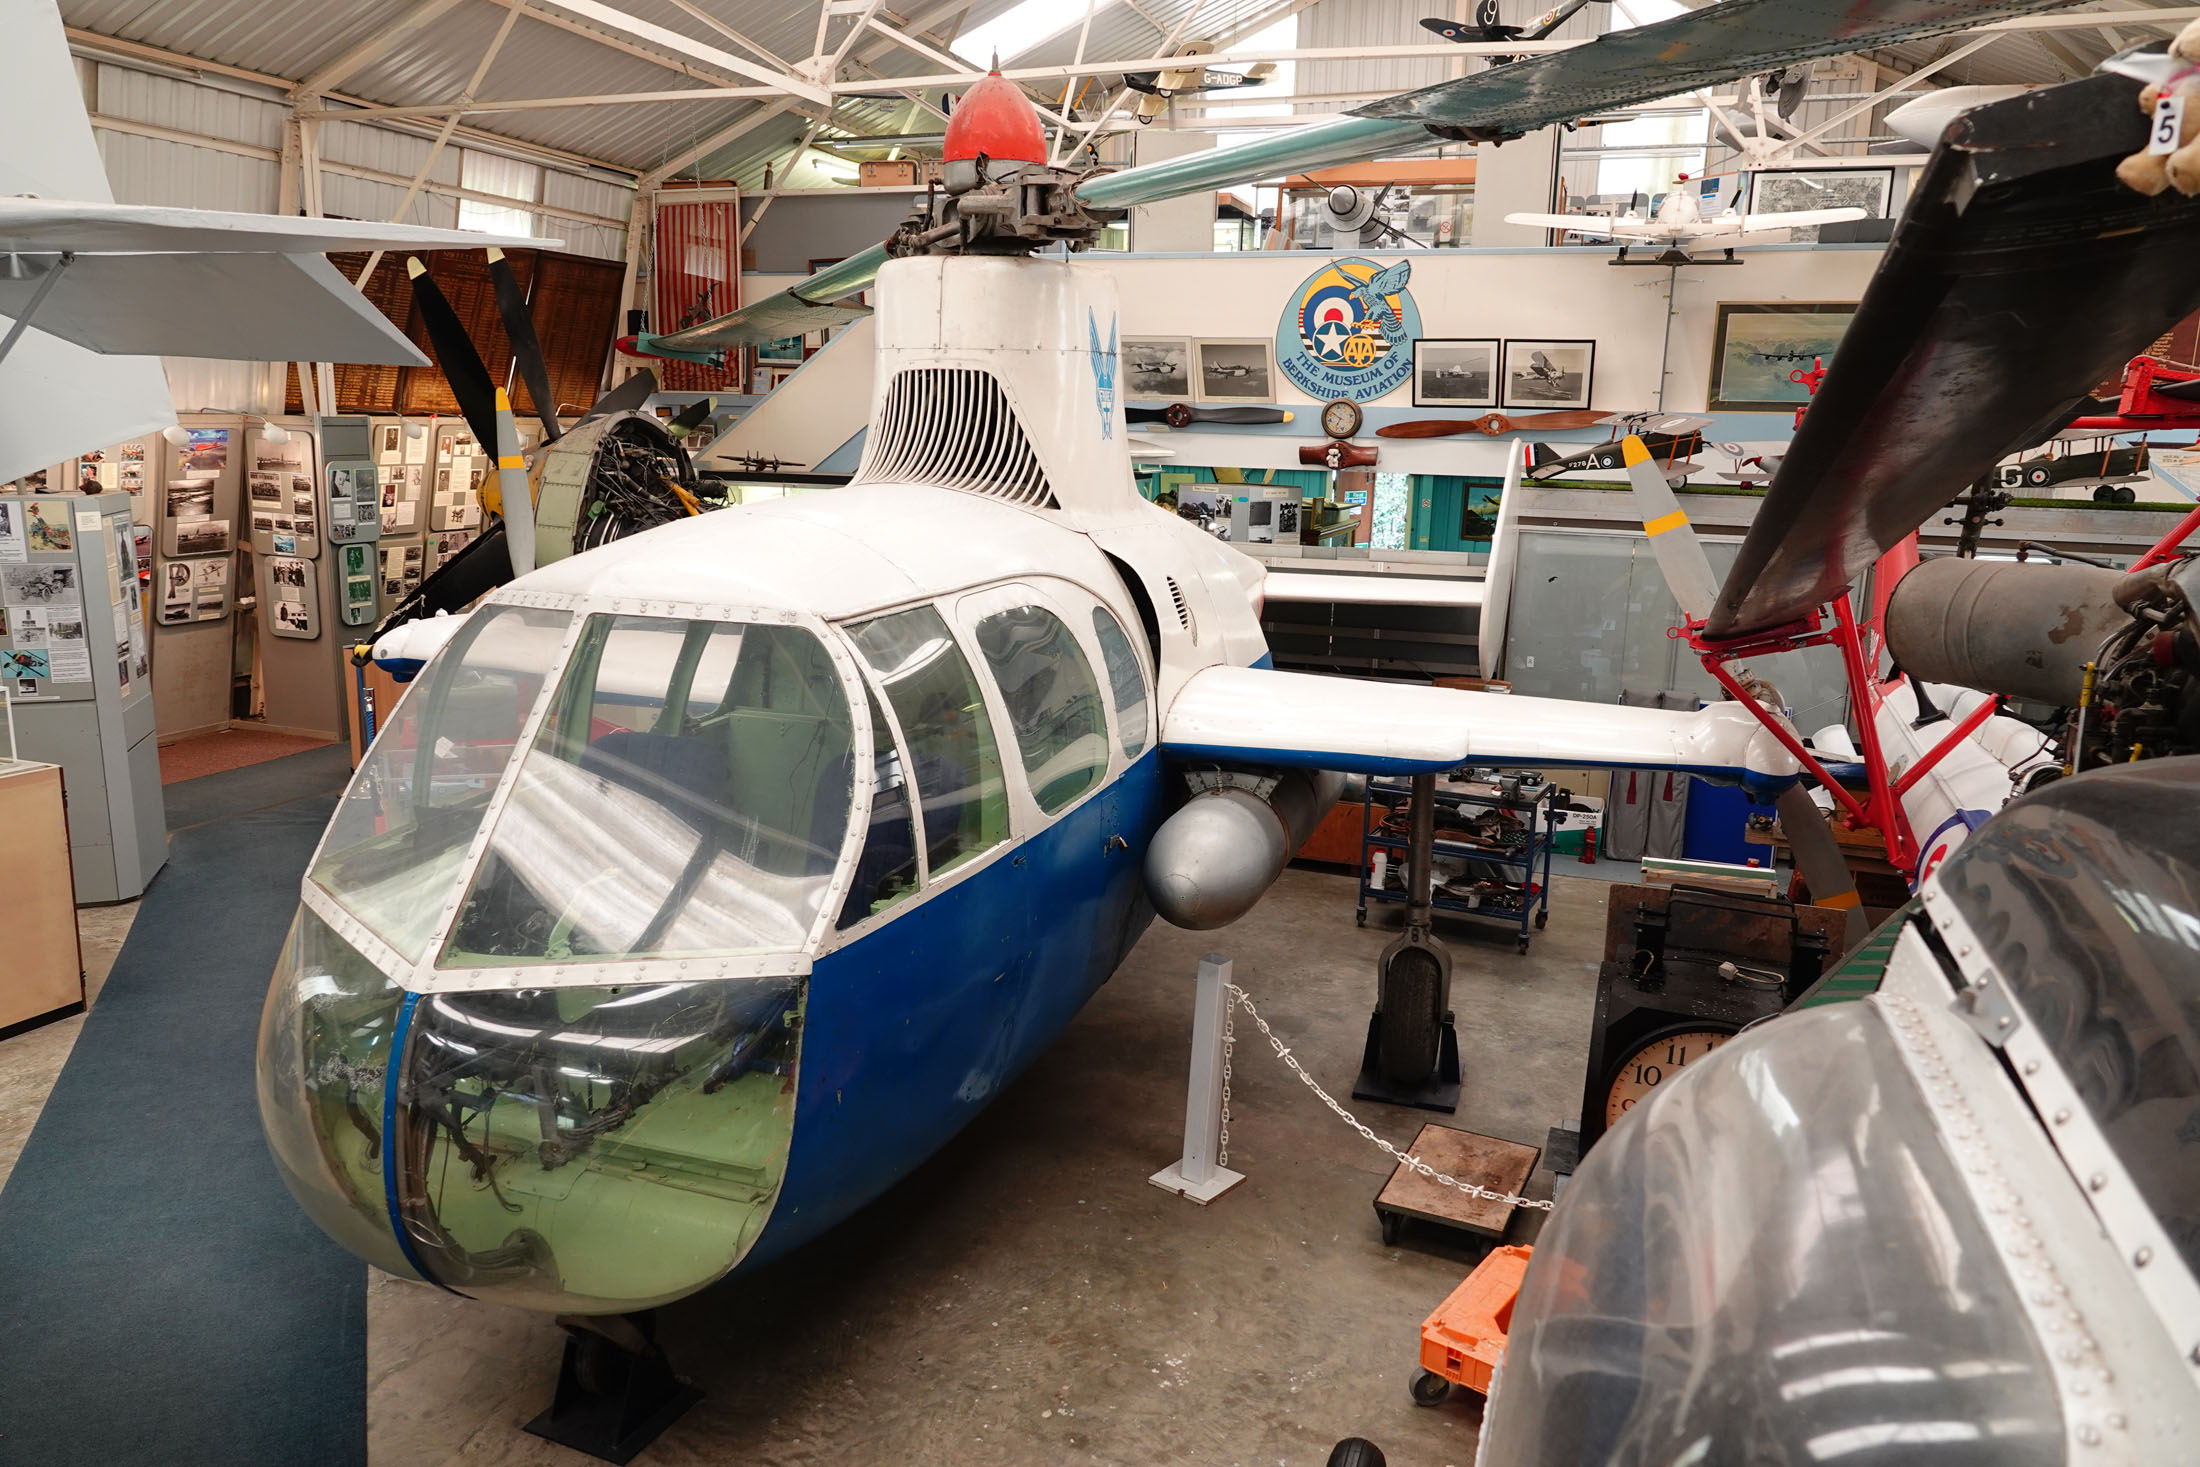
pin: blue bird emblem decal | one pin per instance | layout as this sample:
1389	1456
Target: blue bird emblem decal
1103	372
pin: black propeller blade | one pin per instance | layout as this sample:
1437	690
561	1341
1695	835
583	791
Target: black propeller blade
689	418
519	329
627	397
455	354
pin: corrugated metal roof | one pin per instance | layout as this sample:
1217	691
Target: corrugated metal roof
559	57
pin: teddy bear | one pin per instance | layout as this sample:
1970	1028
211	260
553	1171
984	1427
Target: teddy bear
2151	172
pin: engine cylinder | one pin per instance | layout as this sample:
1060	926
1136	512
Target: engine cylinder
2025	630
1211	861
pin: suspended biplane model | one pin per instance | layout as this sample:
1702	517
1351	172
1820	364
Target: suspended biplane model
692	897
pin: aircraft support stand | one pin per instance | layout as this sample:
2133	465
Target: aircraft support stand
1199	1175
616	1390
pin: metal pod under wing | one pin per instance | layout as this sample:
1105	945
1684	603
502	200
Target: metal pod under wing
2022	274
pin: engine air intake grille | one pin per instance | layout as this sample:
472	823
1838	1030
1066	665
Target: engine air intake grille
953	426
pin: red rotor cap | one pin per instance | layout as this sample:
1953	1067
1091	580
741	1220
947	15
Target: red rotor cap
995	118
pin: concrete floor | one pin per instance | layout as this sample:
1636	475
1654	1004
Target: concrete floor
1026	1297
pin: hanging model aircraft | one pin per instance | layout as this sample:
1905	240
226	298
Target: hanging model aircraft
1157	89
1680	222
1489	25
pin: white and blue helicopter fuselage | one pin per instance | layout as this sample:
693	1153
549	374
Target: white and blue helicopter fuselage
704	884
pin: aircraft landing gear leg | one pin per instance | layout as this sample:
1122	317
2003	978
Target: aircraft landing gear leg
616	1390
1412	1055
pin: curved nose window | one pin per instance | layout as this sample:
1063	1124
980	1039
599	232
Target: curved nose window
688	792
393	850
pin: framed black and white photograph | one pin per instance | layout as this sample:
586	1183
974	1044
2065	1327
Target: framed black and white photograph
1455	373
1237	371
1157	368
1792	190
1549	374
1759	349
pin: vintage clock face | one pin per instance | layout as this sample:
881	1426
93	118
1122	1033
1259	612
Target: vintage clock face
1657	1060
1341	419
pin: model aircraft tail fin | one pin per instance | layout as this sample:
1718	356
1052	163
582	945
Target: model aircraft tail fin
1540	457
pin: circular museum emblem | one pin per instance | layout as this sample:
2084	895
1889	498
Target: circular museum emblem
1348	330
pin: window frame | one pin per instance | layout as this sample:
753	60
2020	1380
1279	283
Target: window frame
1019	824
1150	732
972	607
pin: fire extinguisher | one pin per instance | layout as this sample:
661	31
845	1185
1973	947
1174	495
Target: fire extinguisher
1589	847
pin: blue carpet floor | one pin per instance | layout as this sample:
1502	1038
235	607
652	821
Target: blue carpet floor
162	1298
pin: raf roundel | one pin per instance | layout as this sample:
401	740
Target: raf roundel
996	119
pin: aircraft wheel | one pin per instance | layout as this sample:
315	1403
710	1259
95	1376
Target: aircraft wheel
2125	494
2104	494
1429	1389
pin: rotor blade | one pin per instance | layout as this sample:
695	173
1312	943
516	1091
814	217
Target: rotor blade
1819	857
1718	43
2022	273
519	329
627	397
791	312
455	354
1681	558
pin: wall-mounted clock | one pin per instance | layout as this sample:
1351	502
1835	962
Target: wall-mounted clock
1341	418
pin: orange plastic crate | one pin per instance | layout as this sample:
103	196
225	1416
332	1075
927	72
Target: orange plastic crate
1463	1339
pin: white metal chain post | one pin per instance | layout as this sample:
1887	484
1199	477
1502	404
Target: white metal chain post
1199	1174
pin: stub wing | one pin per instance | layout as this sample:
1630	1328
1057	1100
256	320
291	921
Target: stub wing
1300	720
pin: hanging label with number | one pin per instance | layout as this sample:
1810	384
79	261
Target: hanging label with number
2169	123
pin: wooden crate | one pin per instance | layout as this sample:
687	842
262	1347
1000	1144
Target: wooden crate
43	977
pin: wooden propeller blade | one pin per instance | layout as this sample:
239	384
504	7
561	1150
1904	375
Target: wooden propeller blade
1493	425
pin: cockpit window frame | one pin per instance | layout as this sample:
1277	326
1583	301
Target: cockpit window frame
425	976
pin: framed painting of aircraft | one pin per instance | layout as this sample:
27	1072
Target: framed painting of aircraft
1757	348
1549	374
1455	373
1237	371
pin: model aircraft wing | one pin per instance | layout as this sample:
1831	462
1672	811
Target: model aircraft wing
2022	273
791	312
1370	590
1798	219
45	226
1593	224
1301	720
1718	43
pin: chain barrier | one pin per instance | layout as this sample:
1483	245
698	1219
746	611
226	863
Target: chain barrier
1239	996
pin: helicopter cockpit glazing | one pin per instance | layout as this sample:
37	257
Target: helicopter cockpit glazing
655	806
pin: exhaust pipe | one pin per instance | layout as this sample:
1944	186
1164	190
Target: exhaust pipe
1213	859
